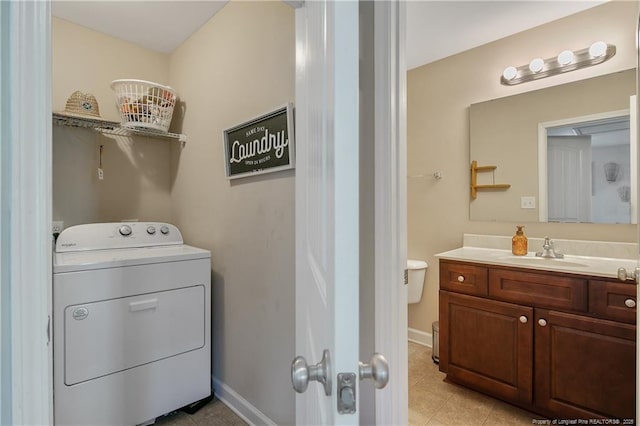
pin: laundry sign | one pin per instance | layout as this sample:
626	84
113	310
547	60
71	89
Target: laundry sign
262	145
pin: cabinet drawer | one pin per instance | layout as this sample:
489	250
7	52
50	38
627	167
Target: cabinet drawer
611	300
463	278
537	289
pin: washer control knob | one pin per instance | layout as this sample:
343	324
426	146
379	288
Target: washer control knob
151	229
125	230
164	229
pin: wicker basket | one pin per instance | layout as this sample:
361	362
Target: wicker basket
82	105
144	104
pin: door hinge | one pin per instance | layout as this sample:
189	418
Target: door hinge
406	276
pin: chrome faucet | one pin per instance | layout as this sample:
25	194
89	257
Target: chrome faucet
548	250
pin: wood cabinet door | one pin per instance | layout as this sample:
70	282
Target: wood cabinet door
584	362
487	345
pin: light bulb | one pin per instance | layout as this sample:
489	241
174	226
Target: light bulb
598	49
565	57
510	73
536	65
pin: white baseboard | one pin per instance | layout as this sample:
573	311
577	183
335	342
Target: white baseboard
239	405
420	337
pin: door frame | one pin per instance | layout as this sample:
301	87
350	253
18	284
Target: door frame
25	215
635	135
391	340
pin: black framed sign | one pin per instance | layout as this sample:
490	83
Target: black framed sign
262	145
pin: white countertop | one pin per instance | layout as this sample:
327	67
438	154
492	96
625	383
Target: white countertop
583	265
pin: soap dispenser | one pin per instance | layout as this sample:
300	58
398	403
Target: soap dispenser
519	242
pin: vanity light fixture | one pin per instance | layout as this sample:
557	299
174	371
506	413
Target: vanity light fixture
597	49
509	73
536	65
565	57
567	60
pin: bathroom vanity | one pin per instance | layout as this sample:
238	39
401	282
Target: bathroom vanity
538	335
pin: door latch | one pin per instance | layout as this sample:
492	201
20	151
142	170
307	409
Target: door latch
346	393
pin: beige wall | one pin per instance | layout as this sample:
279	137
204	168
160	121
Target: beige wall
438	98
136	181
237	66
86	60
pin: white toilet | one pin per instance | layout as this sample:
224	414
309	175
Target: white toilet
417	270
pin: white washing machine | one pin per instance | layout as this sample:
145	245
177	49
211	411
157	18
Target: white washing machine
131	323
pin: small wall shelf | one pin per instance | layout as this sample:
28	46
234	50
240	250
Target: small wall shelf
111	127
475	169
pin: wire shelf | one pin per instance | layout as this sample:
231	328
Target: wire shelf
112	127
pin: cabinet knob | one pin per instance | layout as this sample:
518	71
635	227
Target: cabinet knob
542	322
460	278
523	319
630	303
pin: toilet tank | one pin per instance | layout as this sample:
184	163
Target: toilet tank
416	270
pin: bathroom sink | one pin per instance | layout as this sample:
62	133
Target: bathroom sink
589	262
543	261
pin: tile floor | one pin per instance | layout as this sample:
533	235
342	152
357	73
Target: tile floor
434	402
431	402
215	413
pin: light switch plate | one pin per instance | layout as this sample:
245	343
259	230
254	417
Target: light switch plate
527	202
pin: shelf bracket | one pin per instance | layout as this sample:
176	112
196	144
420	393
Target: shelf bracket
475	169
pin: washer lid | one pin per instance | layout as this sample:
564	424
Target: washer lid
114	258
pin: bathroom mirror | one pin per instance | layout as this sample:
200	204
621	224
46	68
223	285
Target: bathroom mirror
513	134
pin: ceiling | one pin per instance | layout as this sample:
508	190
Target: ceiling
435	29
157	25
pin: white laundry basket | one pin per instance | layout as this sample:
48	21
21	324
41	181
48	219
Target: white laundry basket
144	104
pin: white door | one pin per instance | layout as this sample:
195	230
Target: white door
327	268
569	181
